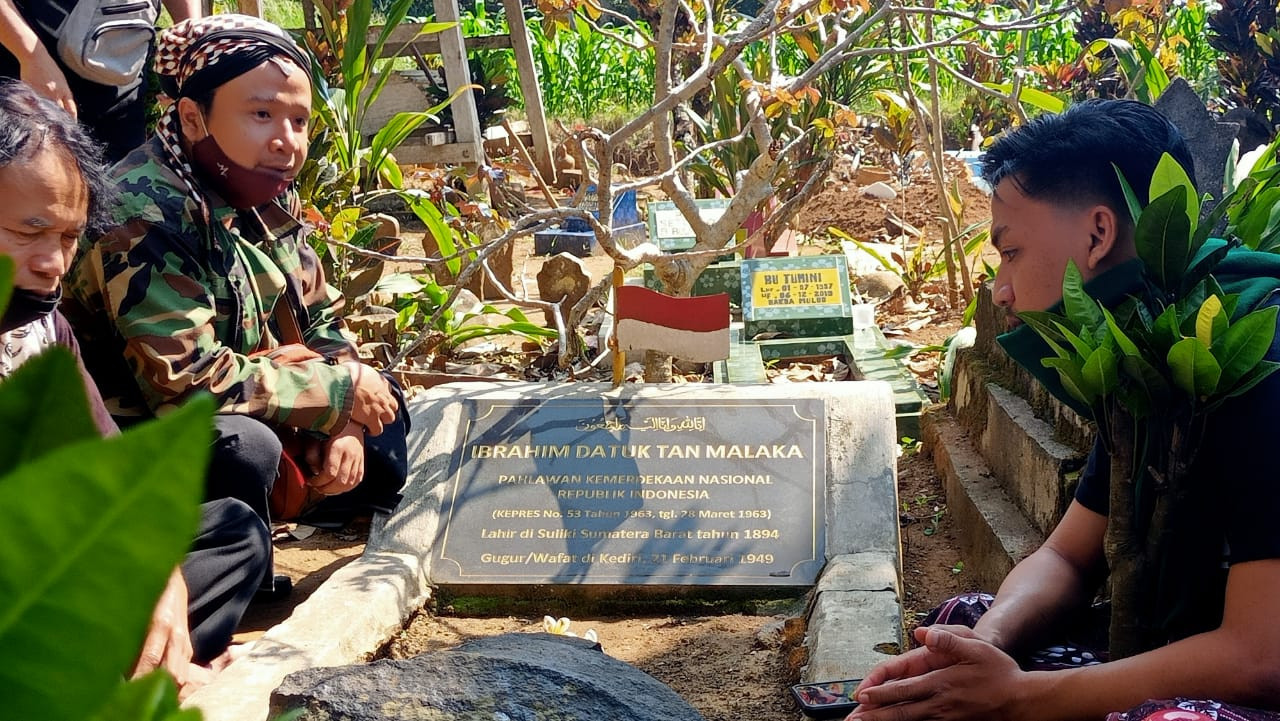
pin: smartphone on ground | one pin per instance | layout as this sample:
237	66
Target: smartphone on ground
826	699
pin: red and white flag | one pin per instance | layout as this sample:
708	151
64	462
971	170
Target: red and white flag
694	329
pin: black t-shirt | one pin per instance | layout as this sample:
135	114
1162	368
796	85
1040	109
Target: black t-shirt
1238	459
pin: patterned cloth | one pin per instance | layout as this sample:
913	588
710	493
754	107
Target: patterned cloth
167	305
967	608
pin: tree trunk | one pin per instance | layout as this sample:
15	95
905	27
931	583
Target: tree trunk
657	367
1124	549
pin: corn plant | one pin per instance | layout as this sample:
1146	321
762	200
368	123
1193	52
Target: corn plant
1152	371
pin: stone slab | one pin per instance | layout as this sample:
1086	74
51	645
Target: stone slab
803	296
358	609
855	631
858	477
719	491
866	571
513	676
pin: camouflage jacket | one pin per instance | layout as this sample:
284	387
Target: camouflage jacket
167	304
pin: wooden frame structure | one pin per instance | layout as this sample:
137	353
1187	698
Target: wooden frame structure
467	147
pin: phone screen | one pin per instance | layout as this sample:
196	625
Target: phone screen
833	697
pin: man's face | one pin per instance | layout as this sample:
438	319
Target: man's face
1035	240
44	212
260	118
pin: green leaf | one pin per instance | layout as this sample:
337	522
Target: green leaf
1245	343
1194	368
1130	197
153	697
1165	331
1169	175
1072	378
1126	346
1255	376
1081	346
1033	97
1210	320
1100	371
92	531
1146	377
1163	238
41	410
1080	307
1202	269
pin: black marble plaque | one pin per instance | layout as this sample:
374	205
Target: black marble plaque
635	492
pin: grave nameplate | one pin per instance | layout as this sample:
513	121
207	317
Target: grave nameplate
724	492
801	297
671	230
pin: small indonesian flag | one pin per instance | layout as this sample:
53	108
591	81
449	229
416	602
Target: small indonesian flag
694	329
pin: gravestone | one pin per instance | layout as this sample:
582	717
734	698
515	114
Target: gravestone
1208	140
798	297
605	491
702	484
671	230
565	279
514	676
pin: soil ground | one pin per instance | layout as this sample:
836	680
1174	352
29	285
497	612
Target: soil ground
742	652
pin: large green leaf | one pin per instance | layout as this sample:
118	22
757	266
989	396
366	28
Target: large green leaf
1101	372
1165	330
1079	306
1031	96
1130	197
1163	238
1072	377
43	407
92	531
1123	342
1194	368
1259	373
153	697
1169	175
1245	343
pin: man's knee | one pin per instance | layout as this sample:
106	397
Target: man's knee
245	451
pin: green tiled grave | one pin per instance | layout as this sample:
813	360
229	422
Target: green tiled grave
803	297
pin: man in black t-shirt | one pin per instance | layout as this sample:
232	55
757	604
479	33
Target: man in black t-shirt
114	114
1056	199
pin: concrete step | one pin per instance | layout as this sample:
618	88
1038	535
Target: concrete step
1039	472
993	532
1037	461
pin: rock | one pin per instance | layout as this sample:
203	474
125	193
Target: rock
880	190
563	277
879	285
515	677
897	226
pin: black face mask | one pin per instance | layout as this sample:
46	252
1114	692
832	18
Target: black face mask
243	188
26	306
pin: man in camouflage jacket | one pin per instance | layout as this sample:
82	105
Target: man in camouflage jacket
207	283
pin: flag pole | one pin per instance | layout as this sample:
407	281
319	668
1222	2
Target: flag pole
619	357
